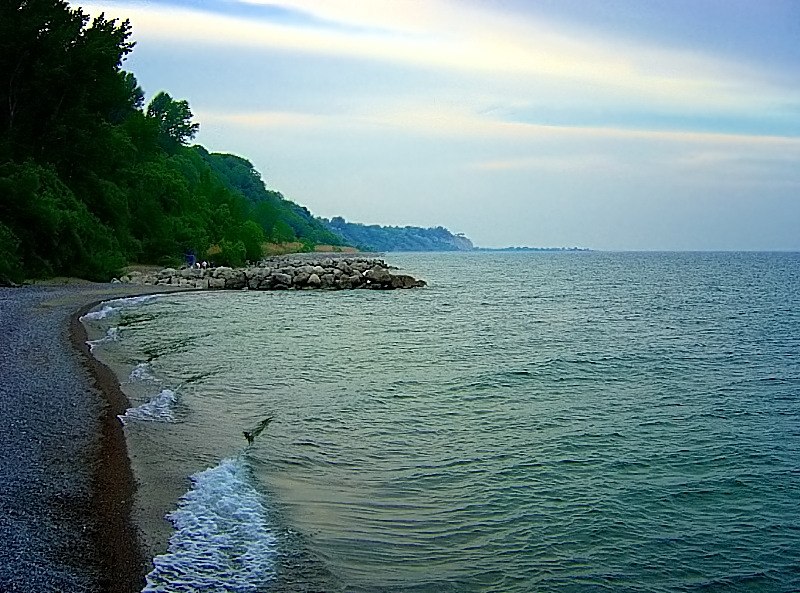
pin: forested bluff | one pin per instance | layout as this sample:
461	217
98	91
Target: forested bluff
91	179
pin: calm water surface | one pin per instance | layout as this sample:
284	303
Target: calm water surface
528	422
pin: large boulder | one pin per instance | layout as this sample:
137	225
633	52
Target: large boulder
314	281
379	275
404	281
302	278
328	281
236	282
282	278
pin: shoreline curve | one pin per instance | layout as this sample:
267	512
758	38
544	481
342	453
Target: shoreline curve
65	473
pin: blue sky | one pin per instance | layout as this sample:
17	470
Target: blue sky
621	124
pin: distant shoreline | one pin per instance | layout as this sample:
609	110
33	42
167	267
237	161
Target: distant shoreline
531	249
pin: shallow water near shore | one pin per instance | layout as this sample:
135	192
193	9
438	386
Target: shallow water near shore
528	422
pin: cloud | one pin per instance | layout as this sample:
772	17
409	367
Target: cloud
471	41
449	121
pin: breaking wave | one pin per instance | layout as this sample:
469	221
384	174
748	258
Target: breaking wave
99	314
113	307
222	541
159	409
112	335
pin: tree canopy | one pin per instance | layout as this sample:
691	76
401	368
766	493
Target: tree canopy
174	118
90	181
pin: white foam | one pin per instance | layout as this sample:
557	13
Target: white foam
134	301
142	372
99	314
113	306
112	335
159	409
222	540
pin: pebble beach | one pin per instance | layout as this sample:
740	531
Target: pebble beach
66	481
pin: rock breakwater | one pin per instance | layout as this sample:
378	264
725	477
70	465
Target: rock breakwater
299	272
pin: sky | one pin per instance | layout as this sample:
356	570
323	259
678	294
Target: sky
613	124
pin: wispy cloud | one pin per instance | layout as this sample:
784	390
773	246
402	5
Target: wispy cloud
449	121
473	41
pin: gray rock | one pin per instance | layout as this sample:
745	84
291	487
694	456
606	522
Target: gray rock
379	275
328	280
404	281
236	281
314	280
282	278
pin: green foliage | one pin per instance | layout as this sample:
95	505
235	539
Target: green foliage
60	82
281	219
174	119
89	181
57	233
230	253
252	239
10	261
393	238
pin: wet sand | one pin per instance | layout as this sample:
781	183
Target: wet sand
66	485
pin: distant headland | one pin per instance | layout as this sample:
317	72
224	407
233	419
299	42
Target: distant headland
412	238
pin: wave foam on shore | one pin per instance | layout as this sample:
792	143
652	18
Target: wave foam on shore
112	335
159	409
143	372
222	540
113	307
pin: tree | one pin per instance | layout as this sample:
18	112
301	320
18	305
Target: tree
60	80
252	237
174	117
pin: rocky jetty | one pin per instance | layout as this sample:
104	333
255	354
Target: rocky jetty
298	272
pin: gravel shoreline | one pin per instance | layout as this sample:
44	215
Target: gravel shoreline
66	485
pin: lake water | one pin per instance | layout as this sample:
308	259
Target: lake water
527	422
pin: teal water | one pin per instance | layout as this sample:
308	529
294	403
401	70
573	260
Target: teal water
528	422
